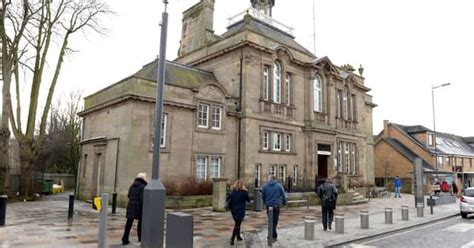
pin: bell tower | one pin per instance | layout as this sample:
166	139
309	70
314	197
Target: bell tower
264	6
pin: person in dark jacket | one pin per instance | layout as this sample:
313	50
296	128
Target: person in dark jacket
134	207
327	192
237	200
273	195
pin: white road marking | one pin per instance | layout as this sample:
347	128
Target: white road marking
463	227
468	245
407	231
359	246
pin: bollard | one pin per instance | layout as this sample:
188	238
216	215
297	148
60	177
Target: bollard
257	200
419	210
405	213
103	221
339	219
270	226
309	229
364	219
3	209
431	204
388	216
114	202
70	213
179	228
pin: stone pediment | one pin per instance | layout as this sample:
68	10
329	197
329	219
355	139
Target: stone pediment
212	92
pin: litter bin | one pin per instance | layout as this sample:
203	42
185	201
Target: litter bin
257	200
47	186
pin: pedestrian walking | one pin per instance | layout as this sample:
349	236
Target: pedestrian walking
327	192
455	188
134	207
274	196
398	185
237	200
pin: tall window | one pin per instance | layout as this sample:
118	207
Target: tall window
203	114
345	105
288	89
282	173
276	82
346	157
258	173
272	170
215	167
265	140
339	157
318	96
430	139
164	120
216	117
354	107
339	103
201	168
295	174
440	161
265	82
288	142
277	141
353	170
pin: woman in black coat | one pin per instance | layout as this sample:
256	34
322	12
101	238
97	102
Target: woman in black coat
134	207
237	200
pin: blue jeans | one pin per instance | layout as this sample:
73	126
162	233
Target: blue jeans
397	191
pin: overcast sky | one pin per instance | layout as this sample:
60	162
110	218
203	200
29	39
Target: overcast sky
405	47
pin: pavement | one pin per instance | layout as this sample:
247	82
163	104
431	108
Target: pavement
44	223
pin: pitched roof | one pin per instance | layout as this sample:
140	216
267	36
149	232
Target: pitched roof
405	151
267	30
446	144
176	74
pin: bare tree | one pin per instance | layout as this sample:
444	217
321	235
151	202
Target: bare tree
387	170
35	41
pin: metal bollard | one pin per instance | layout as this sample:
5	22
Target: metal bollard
103	221
114	202
364	219
70	213
270	226
431	204
309	229
179	228
388	216
339	219
3	209
419	210
405	213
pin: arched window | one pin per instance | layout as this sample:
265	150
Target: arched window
345	104
265	82
318	95
276	82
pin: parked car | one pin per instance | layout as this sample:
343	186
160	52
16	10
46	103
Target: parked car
467	202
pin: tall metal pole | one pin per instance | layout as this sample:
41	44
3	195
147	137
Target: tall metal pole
434	123
154	195
314	29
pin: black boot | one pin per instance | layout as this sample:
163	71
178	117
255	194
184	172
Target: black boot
232	242
330	226
239	238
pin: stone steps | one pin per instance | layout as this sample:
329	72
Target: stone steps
358	198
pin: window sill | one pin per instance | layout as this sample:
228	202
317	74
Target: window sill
210	130
277	152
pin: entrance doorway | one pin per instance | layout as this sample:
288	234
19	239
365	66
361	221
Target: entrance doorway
322	166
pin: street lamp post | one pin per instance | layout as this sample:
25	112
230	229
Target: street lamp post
434	123
153	216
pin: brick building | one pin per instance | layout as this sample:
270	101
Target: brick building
243	104
397	146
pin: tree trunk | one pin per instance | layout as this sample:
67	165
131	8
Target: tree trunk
4	161
26	164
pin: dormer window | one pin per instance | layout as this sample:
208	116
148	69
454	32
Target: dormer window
430	139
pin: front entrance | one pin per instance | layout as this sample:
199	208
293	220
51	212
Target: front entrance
322	166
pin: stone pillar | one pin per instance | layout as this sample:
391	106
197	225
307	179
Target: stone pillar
219	194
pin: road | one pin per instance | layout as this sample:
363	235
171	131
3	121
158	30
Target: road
453	232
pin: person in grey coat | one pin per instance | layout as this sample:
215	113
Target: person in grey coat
134	207
327	192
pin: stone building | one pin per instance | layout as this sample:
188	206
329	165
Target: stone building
446	156
242	104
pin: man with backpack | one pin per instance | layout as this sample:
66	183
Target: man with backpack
327	192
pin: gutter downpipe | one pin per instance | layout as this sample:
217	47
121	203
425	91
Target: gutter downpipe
240	114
